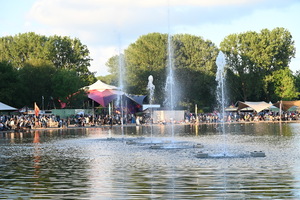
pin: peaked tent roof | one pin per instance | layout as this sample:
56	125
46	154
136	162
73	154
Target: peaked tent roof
257	106
6	107
104	97
287	104
100	86
102	93
136	98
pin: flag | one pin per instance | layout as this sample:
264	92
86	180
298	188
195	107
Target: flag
36	110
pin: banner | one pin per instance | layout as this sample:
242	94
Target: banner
36	110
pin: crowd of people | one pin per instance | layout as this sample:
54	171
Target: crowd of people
243	117
19	122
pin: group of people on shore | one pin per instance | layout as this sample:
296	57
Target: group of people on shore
243	117
18	122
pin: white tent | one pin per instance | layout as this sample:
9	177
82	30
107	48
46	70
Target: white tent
6	107
257	106
100	86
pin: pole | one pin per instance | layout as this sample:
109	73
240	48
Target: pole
109	109
93	105
280	109
43	103
196	108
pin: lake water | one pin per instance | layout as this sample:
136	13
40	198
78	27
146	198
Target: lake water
103	163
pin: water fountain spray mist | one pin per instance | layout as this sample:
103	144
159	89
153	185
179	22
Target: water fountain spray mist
121	88
151	88
220	78
170	84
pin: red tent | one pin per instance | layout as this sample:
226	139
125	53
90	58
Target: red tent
104	97
103	93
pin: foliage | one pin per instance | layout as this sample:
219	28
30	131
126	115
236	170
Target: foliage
36	68
70	54
39	68
193	65
282	82
8	83
35	81
62	52
65	86
147	56
297	80
253	58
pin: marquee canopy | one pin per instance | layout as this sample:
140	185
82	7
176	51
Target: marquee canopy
100	86
285	105
139	99
257	106
102	93
6	107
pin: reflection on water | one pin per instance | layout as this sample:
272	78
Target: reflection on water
97	163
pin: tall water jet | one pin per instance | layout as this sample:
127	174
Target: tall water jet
220	78
151	88
121	88
170	84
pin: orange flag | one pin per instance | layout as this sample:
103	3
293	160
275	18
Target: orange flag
36	110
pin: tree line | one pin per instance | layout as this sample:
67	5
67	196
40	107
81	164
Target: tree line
257	67
34	68
46	70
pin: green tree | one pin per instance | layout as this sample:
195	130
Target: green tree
147	56
71	54
113	68
35	82
297	80
194	65
282	82
251	57
22	47
63	52
196	69
65	86
8	84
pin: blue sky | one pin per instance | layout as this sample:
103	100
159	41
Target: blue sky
106	26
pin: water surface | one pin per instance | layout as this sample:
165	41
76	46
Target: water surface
100	163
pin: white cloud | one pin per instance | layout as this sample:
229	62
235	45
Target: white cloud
100	55
104	25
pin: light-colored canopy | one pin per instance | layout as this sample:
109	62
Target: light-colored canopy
100	86
285	105
102	93
257	106
6	107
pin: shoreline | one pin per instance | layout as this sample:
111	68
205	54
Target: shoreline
143	125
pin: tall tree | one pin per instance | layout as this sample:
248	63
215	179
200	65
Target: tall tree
194	65
297	80
196	69
283	83
252	56
147	56
71	54
65	86
35	81
8	84
63	52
